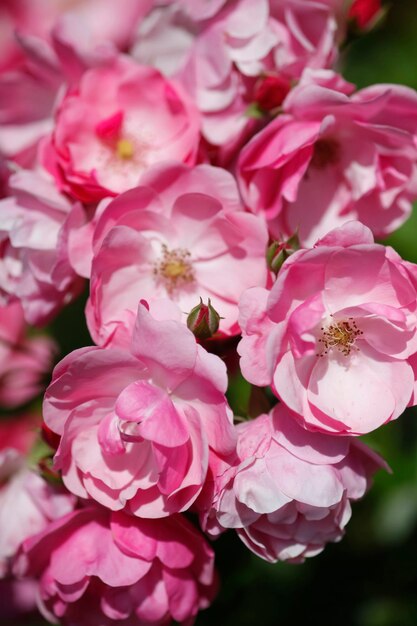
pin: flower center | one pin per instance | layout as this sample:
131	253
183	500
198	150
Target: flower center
125	149
341	335
175	268
326	152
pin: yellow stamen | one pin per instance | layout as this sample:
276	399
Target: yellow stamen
342	335
175	268
125	149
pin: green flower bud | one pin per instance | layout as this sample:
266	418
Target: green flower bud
203	320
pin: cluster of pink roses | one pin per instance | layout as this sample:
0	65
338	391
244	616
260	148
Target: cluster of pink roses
165	151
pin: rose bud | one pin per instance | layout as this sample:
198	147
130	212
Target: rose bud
203	320
279	251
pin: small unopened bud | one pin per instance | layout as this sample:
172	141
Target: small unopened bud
279	251
365	14
203	320
271	91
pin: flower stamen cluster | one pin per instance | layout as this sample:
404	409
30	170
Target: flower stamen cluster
341	335
174	269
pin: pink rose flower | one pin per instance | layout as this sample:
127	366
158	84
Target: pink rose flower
34	18
89	32
182	235
34	266
289	492
333	156
244	42
136	422
337	334
27	99
122	118
221	52
23	360
96	566
197	10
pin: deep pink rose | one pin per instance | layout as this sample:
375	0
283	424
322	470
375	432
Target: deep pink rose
24	361
96	567
332	156
336	334
122	118
34	266
137	422
182	235
289	492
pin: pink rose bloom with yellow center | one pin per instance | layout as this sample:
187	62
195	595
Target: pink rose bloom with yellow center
182	235
337	334
121	119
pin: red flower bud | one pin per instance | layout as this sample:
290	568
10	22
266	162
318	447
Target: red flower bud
203	320
365	12
270	92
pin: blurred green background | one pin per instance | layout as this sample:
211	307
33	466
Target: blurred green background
370	578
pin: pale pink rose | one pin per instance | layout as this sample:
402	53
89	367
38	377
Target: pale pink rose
27	503
289	492
332	156
24	361
89	32
34	266
165	37
246	41
137	422
222	53
337	333
182	235
99	567
122	118
27	98
85	26
197	10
